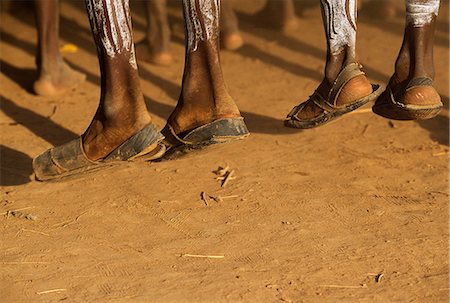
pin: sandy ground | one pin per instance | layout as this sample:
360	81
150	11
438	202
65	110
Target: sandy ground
355	211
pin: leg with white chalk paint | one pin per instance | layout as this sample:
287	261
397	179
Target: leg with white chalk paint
204	97
410	93
415	58
122	111
339	18
54	75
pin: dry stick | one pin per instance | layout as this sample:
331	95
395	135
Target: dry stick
70	222
25	262
204	256
365	129
5	213
444	153
35	231
204	198
51	291
220	198
227	178
378	277
344	286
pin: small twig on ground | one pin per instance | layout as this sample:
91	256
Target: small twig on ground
15	210
222	171
228	177
51	291
24	262
203	256
70	222
221	198
365	129
345	286
225	175
33	231
204	198
444	153
378	277
19	214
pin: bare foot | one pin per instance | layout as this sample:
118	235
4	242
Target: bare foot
277	15
59	81
232	41
143	52
289	25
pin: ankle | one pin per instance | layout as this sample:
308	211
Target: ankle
189	114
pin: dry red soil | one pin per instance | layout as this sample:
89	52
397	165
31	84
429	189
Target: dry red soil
354	211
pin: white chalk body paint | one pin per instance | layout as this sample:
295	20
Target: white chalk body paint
340	27
420	13
209	12
113	27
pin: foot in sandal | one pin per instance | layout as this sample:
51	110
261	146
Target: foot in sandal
344	87
205	114
121	129
410	93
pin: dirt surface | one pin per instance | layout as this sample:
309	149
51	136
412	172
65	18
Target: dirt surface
354	211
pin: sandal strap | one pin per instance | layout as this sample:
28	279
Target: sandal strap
419	81
136	144
170	137
349	72
70	156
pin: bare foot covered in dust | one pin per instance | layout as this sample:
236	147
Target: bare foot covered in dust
58	81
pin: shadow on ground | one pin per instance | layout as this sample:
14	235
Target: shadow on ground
438	127
15	167
40	125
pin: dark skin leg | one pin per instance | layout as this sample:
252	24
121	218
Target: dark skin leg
415	60
232	39
155	48
204	97
280	14
355	89
55	76
122	111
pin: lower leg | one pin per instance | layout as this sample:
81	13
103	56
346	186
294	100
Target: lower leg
204	97
156	46
280	14
415	59
55	76
122	111
339	17
231	36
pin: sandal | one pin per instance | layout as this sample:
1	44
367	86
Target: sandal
70	158
219	131
331	110
391	104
